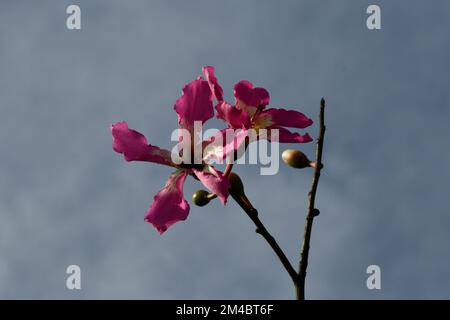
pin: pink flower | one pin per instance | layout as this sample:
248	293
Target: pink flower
169	205
249	111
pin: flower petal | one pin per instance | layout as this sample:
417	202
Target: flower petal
195	104
235	117
225	144
285	136
216	89
169	205
249	98
286	118
263	96
244	91
134	146
214	181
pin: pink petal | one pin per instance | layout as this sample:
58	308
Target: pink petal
235	117
285	136
263	96
243	91
212	152
169	205
254	97
239	139
214	181
286	118
216	89
134	146
195	104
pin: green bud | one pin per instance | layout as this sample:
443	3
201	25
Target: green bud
201	198
296	159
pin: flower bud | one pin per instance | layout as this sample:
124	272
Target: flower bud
201	198
237	192
236	185
296	159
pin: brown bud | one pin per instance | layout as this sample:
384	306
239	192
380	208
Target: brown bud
236	185
296	159
237	192
201	198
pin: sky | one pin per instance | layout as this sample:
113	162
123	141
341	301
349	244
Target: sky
67	198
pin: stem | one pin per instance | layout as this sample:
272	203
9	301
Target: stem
228	169
311	211
252	213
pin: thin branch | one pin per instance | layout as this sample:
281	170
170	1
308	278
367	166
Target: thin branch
260	228
312	211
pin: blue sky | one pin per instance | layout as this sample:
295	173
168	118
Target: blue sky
67	198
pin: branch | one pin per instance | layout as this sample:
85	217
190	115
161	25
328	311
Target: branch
312	211
260	229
